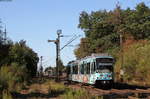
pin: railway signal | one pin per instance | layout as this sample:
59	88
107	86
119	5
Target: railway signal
57	42
58	49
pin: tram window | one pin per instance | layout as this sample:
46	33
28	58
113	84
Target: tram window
79	69
76	69
109	67
94	66
105	69
82	69
72	69
68	70
85	68
88	68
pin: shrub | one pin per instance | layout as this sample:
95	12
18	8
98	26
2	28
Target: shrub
136	62
12	77
6	95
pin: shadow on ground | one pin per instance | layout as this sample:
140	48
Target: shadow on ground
122	86
127	94
37	95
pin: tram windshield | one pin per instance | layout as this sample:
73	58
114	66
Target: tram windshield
104	68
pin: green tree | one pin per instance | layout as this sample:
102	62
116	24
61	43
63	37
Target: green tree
23	55
4	48
102	28
139	22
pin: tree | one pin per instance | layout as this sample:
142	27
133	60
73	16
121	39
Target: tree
102	28
5	45
23	55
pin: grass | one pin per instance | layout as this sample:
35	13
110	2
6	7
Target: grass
77	94
51	89
6	95
68	93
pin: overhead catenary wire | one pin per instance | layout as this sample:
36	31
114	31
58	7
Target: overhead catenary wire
70	41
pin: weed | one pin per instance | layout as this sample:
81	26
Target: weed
6	95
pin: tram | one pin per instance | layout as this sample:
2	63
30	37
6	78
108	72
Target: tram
96	69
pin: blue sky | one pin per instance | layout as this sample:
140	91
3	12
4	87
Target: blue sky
36	21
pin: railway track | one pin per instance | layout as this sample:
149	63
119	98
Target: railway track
119	91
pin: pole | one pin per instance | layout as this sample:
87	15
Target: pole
58	52
57	61
5	35
121	49
57	42
122	58
41	60
41	68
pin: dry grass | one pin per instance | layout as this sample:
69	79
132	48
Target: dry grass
52	90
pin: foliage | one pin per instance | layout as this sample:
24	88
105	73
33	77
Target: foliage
48	68
19	53
84	48
24	56
6	95
102	28
18	63
12	77
5	45
4	54
136	62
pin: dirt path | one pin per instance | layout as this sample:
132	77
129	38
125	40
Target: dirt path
37	91
119	91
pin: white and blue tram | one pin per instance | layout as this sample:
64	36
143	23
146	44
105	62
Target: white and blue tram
96	69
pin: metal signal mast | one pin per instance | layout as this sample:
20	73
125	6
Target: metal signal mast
57	42
58	49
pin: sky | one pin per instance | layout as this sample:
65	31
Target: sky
36	21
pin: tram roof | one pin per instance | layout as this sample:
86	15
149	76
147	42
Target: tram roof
95	56
91	58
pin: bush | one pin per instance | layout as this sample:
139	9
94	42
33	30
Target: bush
136	62
6	95
12	77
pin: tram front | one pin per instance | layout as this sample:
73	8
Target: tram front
104	71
